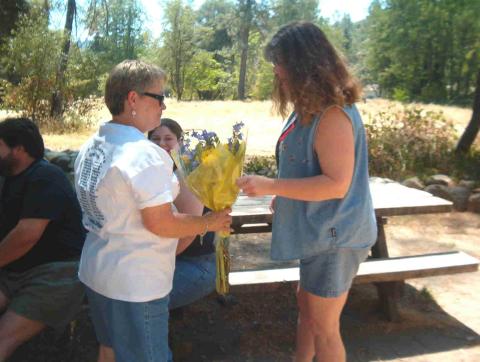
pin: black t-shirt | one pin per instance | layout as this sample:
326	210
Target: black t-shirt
43	191
201	245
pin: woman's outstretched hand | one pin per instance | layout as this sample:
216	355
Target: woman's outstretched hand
256	185
219	221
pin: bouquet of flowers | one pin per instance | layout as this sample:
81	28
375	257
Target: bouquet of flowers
210	169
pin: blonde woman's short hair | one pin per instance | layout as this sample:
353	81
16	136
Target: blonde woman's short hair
129	75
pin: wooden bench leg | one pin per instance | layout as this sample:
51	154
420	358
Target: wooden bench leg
380	249
388	292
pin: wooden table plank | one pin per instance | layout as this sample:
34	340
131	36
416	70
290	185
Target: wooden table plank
392	199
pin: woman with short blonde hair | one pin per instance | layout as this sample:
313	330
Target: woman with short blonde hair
126	186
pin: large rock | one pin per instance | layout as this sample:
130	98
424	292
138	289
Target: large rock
459	196
438	190
440	180
71	178
49	155
468	184
63	160
73	157
414	182
474	203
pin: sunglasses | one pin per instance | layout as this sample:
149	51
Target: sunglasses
159	97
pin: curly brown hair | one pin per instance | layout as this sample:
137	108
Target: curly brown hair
317	77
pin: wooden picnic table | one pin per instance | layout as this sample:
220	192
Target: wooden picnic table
389	199
253	215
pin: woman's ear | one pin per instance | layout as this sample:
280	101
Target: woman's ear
132	99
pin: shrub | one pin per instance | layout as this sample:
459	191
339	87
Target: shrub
31	55
409	142
261	165
400	95
80	114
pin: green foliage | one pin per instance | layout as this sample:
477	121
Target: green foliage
292	10
178	38
9	14
264	83
116	28
409	142
215	25
32	55
410	50
428	49
205	78
400	94
83	77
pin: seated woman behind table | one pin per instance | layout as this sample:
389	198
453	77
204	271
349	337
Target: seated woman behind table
195	269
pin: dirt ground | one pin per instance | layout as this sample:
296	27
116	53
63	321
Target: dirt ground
440	315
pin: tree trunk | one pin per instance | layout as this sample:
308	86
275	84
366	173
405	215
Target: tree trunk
471	131
57	97
244	35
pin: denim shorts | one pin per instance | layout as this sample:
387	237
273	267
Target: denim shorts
136	331
331	273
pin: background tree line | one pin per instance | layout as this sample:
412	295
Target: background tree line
409	50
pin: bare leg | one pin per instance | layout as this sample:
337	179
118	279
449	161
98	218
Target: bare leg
105	354
319	322
305	350
15	330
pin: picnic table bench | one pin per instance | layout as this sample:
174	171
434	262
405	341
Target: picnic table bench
252	215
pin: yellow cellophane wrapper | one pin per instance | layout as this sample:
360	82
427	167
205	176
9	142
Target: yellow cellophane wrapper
213	182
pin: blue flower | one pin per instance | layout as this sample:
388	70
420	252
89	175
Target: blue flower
238	126
211	135
197	135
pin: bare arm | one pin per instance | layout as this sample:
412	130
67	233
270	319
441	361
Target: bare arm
162	221
334	145
21	239
186	202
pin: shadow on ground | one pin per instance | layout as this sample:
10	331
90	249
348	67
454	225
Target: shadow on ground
260	326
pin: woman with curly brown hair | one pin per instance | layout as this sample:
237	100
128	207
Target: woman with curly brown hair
323	213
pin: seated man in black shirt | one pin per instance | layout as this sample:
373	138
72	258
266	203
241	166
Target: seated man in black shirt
41	237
